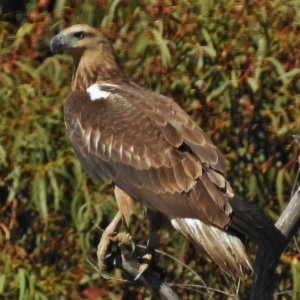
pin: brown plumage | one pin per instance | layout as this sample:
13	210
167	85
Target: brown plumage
146	145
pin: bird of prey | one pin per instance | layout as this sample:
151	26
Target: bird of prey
154	153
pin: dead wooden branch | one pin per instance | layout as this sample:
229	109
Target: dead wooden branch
129	263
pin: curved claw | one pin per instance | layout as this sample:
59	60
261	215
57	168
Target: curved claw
142	269
104	276
147	258
133	246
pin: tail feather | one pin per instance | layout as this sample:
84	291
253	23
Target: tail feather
250	221
225	249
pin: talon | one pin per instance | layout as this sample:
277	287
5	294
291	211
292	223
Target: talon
104	276
132	246
147	258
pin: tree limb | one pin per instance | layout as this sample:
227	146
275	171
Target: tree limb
128	262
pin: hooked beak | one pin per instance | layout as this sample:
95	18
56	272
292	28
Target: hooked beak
57	43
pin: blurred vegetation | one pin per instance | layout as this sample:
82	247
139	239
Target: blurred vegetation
233	65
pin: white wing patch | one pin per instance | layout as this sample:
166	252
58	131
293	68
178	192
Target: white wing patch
96	93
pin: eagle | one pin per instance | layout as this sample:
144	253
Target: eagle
151	150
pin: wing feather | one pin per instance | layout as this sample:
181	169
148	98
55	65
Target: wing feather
128	139
164	179
95	140
117	148
172	135
192	135
191	168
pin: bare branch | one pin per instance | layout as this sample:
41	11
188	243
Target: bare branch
128	262
289	221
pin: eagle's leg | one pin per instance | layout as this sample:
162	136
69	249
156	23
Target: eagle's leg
125	204
148	259
109	235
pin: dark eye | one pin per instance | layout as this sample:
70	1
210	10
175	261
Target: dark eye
79	35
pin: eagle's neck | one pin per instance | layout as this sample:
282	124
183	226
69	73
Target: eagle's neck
94	67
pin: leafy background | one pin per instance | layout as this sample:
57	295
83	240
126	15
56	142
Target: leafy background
232	65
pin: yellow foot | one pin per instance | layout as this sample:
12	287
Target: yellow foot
108	236
123	238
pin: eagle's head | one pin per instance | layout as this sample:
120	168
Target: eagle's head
77	39
93	55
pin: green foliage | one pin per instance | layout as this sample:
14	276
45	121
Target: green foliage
233	66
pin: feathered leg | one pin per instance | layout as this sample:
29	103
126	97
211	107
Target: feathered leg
125	204
156	221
